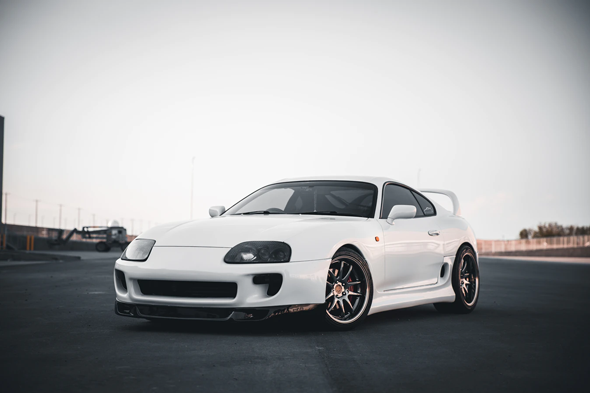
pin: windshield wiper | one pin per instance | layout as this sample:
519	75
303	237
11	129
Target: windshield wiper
257	212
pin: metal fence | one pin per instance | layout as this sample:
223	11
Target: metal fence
545	243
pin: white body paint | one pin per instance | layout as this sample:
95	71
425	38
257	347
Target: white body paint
405	263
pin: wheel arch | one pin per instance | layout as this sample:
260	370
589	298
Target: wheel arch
468	244
351	247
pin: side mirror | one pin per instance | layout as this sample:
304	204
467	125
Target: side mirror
401	211
215	211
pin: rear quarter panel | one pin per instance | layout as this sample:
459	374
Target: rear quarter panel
456	231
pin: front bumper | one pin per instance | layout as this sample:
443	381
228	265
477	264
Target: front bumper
303	283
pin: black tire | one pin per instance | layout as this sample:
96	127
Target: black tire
102	247
346	305
466	283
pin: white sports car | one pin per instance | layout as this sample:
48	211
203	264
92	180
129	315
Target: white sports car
345	247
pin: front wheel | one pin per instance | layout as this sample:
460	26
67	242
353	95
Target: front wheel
465	283
349	291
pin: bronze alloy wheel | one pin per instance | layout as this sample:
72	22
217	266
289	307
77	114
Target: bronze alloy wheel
465	281
349	290
469	279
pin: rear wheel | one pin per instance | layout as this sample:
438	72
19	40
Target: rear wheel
349	291
465	283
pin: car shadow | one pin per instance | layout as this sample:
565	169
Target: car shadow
284	323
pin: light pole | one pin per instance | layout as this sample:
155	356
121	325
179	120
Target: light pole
60	206
192	183
36	210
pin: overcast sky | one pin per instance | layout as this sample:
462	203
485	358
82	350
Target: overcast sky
106	103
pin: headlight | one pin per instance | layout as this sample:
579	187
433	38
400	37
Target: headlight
259	252
138	250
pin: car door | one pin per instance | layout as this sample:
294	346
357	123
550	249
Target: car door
413	247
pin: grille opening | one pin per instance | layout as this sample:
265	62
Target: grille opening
196	289
121	279
274	281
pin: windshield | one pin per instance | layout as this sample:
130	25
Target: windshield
339	198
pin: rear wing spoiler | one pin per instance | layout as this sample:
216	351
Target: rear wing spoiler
450	194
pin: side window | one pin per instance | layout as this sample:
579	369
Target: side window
397	195
426	206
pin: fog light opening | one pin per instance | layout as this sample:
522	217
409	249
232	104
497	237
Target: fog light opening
120	276
274	281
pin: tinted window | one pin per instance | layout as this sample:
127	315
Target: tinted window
269	200
397	195
427	207
311	197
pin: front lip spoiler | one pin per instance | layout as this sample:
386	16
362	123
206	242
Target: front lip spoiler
153	311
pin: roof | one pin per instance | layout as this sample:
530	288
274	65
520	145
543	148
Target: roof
378	181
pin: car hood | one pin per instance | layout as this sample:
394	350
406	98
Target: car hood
227	231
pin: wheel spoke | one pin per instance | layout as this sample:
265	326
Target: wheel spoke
352	283
332	306
347	274
341	269
330	295
348	301
354	294
331	275
341	305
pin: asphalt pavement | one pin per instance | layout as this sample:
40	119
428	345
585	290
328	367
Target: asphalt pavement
529	333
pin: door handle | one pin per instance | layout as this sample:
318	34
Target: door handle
433	233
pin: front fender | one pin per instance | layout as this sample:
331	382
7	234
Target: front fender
324	242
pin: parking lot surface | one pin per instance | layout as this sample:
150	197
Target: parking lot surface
530	332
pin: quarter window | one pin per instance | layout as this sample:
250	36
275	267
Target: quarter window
427	207
396	195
